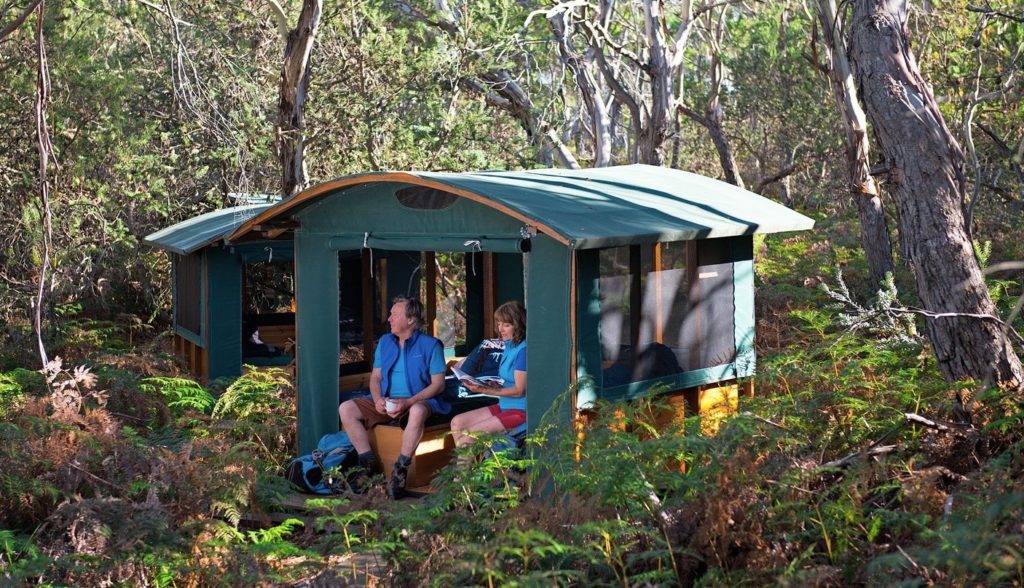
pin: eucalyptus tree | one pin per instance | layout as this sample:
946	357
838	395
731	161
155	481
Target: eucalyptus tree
395	89
496	60
629	54
874	229
926	176
784	128
295	74
643	67
984	77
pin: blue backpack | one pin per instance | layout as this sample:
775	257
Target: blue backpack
312	473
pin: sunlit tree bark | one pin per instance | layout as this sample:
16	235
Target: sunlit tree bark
926	179
291	123
874	231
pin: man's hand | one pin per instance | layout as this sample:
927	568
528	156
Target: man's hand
379	404
399	406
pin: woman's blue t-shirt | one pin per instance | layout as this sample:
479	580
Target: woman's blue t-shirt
513	360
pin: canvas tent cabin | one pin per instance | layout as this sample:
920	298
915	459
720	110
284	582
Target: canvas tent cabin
632	276
223	294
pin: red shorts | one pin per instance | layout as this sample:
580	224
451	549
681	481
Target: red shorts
510	418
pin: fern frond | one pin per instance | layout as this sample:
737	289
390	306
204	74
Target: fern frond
228	510
181	394
253	392
226	533
274	534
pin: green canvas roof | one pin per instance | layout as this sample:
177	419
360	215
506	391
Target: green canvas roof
600	207
198	232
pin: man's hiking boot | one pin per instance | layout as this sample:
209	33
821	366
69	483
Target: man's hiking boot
361	476
399	476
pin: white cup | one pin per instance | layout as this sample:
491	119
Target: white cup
389	405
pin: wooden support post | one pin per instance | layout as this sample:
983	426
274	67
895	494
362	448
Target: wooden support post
747	388
430	279
635	299
490	296
693	299
368	317
658	284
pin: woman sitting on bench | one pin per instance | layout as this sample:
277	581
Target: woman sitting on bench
510	412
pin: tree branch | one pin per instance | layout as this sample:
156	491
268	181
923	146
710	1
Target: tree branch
167	13
45	148
279	17
784	172
694	115
988	10
937	315
7	30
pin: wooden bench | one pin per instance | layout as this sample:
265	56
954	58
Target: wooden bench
436	446
433	453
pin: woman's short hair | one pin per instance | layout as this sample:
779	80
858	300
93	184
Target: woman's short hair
413	309
514	313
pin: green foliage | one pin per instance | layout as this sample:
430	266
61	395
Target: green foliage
258	409
142	144
254	392
31	382
182	394
982	252
10	393
20	559
486	479
981	546
333	517
273	534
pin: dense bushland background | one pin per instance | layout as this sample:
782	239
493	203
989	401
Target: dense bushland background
115	470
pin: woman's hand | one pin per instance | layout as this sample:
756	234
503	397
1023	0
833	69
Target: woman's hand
486	388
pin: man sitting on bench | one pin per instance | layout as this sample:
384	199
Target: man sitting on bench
408	374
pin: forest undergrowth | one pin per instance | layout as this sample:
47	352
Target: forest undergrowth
854	464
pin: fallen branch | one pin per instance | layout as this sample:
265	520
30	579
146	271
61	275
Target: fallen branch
869	452
955	429
74	465
749	414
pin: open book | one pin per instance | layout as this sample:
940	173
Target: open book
487	381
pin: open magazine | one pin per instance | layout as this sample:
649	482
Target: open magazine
487	381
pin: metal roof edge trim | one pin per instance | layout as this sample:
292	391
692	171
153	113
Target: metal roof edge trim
153	239
685	235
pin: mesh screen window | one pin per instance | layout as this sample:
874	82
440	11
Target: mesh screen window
660	316
187	290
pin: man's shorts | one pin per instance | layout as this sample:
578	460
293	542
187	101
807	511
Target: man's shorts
372	418
510	418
